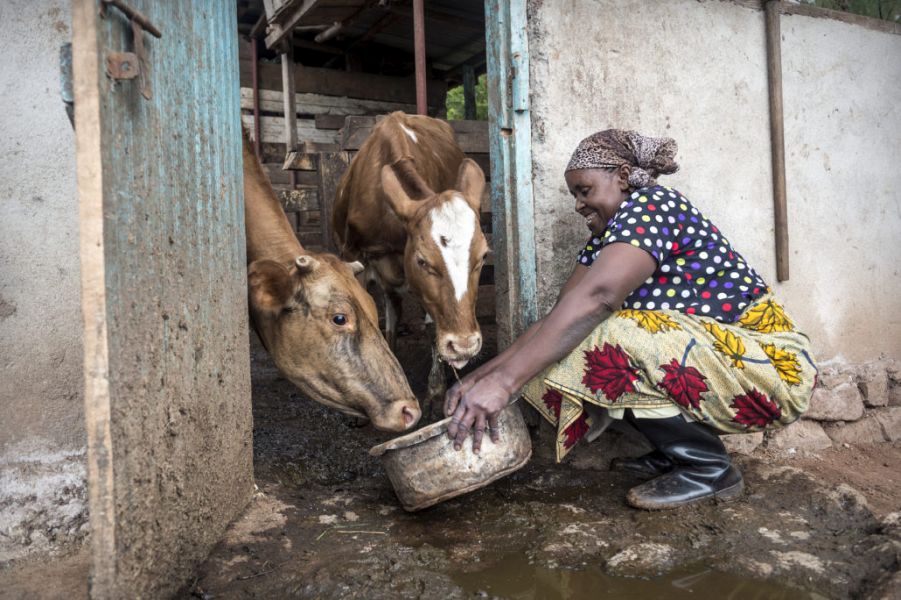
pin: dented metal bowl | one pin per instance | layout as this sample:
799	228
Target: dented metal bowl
425	469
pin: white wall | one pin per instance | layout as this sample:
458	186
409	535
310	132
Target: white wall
42	489
696	72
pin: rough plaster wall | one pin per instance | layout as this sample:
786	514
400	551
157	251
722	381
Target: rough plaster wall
843	143
696	71
42	489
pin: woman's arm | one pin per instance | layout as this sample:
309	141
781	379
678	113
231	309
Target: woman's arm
618	269
458	389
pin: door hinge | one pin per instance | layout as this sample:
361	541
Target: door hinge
131	65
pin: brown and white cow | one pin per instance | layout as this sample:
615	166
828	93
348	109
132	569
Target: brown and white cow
408	207
315	319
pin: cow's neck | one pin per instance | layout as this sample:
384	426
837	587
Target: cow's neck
269	234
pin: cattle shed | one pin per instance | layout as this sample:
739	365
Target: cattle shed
126	425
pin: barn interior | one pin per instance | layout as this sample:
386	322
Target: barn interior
353	62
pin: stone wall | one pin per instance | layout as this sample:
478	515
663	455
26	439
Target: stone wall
852	404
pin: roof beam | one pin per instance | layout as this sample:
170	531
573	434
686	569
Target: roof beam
282	24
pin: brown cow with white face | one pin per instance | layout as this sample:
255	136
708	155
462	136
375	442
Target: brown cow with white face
408	207
315	319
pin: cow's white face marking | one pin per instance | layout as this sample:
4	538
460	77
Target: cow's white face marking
453	225
409	132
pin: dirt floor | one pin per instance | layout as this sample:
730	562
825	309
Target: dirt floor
325	523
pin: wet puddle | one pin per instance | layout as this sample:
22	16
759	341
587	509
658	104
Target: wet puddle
514	578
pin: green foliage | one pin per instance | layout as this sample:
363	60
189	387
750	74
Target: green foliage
889	10
454	104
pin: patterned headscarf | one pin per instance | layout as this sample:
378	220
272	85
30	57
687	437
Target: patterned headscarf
648	157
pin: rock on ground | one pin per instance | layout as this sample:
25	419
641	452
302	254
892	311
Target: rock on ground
840	403
890	419
867	430
801	436
742	443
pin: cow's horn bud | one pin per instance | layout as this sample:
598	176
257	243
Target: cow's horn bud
306	263
356	266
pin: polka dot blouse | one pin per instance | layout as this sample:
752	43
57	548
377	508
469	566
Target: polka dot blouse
698	271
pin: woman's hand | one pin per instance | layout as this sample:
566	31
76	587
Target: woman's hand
476	403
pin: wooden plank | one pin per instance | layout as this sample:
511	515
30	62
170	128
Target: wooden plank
280	177
86	53
331	82
475	142
316	104
305	197
469	92
272	130
355	132
777	137
164	296
329	121
471	135
332	166
288	96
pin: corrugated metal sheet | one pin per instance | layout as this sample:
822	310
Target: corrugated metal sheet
163	251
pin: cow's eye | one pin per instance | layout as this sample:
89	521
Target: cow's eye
339	319
421	262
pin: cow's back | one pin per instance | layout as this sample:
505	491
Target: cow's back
362	219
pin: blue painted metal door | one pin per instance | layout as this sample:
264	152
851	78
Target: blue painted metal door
164	288
510	135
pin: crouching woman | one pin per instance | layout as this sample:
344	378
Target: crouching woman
662	323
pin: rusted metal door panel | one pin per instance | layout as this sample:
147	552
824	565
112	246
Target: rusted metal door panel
164	292
510	135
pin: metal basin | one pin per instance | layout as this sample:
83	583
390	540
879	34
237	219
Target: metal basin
425	469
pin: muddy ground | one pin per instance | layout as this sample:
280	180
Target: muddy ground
325	523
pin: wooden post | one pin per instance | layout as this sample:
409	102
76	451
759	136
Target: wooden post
331	167
422	106
257	129
469	92
777	135
288	92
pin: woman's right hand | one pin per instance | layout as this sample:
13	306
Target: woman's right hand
455	393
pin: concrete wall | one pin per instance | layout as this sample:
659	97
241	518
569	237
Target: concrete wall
696	71
42	439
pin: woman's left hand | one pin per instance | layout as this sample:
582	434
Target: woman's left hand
478	408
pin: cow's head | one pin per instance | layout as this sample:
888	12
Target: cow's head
445	251
321	328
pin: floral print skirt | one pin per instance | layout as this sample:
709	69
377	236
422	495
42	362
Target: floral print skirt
754	374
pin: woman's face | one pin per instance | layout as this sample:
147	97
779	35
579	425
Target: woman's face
598	194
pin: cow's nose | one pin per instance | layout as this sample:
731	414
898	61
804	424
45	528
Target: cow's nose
464	345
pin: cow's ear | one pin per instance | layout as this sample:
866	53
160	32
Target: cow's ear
270	286
403	186
471	183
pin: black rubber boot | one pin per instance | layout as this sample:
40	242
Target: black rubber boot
702	467
652	464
